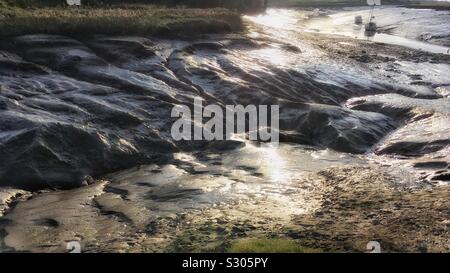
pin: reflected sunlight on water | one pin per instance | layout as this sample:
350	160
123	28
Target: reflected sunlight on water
285	22
277	18
275	56
275	166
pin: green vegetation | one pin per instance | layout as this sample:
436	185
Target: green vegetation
265	245
3	4
147	17
114	20
241	5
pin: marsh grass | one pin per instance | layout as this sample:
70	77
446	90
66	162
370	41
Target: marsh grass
116	20
266	245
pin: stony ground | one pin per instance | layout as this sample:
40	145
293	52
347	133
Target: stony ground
354	206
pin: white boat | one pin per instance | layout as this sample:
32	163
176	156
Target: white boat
372	26
374	2
73	2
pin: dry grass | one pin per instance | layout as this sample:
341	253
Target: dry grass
117	20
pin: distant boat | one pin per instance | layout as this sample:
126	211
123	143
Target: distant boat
317	12
73	2
358	20
372	26
374	2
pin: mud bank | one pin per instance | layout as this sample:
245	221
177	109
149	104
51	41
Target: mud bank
335	210
364	154
78	109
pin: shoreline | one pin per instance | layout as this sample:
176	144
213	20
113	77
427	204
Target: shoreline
443	6
427	5
118	20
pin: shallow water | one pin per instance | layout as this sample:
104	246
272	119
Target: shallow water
408	26
358	32
253	171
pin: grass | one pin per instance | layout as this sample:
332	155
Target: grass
116	20
3	4
232	4
266	245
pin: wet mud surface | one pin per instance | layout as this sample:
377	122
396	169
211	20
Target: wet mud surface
87	153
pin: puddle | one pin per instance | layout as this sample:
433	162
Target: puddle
203	179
